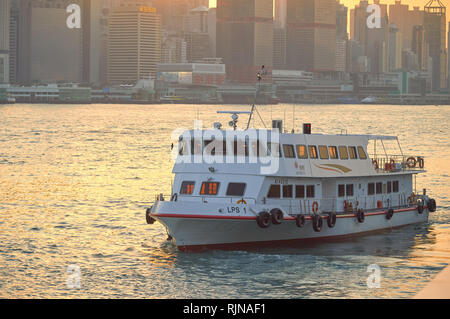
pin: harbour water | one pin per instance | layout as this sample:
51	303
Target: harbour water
75	181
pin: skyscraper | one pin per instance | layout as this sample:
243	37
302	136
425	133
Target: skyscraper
4	41
311	35
419	47
134	44
405	20
245	37
435	36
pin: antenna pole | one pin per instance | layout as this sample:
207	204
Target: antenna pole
259	75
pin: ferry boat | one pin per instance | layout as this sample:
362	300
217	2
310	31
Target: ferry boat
268	187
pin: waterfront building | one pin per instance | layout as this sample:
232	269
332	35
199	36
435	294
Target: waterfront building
245	38
4	41
134	44
311	35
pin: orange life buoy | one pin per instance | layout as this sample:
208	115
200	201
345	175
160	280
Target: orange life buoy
315	207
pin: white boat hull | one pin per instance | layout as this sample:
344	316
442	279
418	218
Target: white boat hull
200	231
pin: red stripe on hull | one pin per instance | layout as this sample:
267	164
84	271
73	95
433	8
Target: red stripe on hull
286	218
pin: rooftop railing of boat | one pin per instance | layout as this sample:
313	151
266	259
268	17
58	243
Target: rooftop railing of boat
397	163
210	199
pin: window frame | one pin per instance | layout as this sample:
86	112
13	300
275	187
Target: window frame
297	193
371	189
313	147
341	152
234	183
352	152
362	152
207	183
325	149
291	191
287	146
308	188
335	150
274	186
306	156
190	183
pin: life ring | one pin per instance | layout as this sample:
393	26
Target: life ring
174	197
300	221
277	216
263	219
389	214
431	205
150	219
421	162
315	207
317	223
361	216
375	164
411	162
331	221
420	206
242	201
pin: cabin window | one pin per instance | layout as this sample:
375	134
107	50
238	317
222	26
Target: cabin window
362	154
301	152
343	152
187	188
341	190
299	191
310	191
196	147
389	187
236	189
312	151
333	152
323	152
273	150
395	187
352	152
209	188
371	189
379	188
274	191
289	151
349	189
287	191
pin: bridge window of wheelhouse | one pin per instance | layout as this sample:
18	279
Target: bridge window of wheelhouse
288	151
209	188
236	189
323	152
343	152
287	191
352	152
274	191
310	191
301	152
362	154
299	191
187	188
333	152
273	150
395	187
312	151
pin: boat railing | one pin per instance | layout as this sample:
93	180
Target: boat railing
397	163
207	199
348	204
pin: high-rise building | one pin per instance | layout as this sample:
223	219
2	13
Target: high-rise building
134	44
311	35
279	48
419	48
13	47
374	40
4	41
341	21
245	38
405	20
435	36
197	46
280	13
174	12
212	21
395	48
